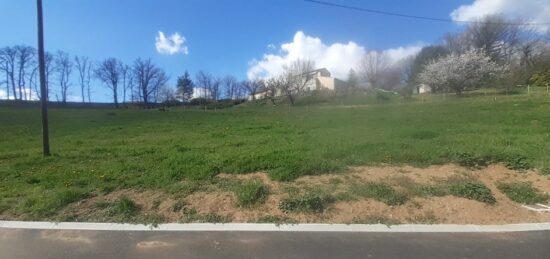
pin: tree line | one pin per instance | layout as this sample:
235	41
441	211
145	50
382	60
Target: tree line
493	52
140	82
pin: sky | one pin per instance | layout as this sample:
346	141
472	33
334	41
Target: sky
244	38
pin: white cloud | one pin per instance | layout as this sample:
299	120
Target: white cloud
170	45
399	53
530	11
338	58
3	94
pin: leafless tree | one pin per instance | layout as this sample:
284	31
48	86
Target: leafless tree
166	94
252	86
204	82
299	74
24	56
109	72
7	65
277	86
83	66
64	67
49	66
148	78
373	67
127	82
231	87
33	78
495	35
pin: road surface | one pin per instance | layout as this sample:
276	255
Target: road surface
43	244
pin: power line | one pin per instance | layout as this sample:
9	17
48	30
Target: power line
367	10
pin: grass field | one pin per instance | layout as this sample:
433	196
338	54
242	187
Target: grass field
103	150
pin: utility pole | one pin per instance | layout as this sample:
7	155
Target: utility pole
43	90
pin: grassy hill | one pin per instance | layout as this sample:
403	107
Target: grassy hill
101	150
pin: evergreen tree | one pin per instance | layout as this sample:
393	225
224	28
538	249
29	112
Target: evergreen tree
185	87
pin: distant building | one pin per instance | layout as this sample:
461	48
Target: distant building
321	79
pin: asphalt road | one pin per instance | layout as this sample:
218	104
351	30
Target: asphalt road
43	244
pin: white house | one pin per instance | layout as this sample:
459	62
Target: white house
321	79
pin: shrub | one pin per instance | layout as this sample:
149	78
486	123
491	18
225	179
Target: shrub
472	190
251	193
381	192
522	192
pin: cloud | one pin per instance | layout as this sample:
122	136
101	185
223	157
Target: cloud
338	58
400	53
170	45
530	11
3	94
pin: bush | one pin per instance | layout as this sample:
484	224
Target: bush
307	203
472	190
251	193
522	192
380	192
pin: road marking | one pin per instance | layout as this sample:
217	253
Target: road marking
273	227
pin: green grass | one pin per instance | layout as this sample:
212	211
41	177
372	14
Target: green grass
102	150
251	193
522	192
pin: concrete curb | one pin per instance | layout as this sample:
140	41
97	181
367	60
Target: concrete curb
444	228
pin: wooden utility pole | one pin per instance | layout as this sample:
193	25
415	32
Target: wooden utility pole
43	90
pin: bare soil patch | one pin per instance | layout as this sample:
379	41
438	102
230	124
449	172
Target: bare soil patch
216	204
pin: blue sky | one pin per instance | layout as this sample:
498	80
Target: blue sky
222	36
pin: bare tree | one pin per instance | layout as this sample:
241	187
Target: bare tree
252	86
49	67
8	56
166	94
64	67
127	82
24	57
495	35
83	65
33	78
231	86
148	78
109	72
277	86
204	82
300	74
373	66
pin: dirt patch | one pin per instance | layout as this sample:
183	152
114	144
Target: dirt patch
217	204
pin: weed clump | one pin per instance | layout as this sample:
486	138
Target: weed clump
522	192
251	193
472	190
307	203
124	207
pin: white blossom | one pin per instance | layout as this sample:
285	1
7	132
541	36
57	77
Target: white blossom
459	72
